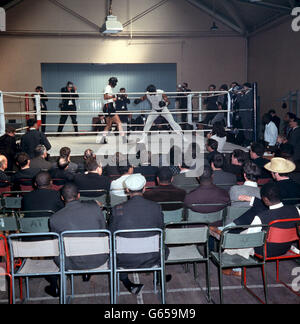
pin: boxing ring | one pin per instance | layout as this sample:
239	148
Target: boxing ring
84	139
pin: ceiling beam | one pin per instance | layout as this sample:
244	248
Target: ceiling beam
12	4
223	19
233	12
266	4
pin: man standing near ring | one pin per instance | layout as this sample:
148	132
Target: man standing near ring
159	102
69	94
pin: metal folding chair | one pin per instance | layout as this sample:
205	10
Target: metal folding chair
184	246
135	246
236	242
232	213
37	258
205	218
76	244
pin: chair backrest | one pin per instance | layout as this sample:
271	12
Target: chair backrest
284	235
138	245
11	202
116	200
9	224
34	249
80	245
174	216
243	240
233	213
180	236
207	218
34	224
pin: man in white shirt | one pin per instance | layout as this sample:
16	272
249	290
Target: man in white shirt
271	130
110	110
159	102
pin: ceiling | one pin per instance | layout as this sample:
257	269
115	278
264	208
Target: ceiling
245	17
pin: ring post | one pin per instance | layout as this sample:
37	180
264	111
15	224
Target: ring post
37	99
200	108
190	109
2	115
229	111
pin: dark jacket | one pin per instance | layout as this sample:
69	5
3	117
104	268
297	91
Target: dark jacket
75	216
289	189
92	181
40	163
42	199
207	194
137	213
26	174
225	180
294	140
31	140
167	193
68	95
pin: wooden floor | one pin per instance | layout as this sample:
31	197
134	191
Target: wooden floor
182	290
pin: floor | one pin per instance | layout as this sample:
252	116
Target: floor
182	289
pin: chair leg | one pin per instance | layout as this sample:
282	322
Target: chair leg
111	285
221	285
208	281
163	287
155	281
195	270
264	276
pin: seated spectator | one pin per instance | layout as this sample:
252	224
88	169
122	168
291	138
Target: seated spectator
185	178
208	194
62	171
65	153
223	179
87	154
257	151
250	187
25	171
33	138
92	180
8	146
117	187
42	198
39	161
137	213
276	210
281	170
77	216
212	148
271	130
294	137
236	165
3	166
218	134
146	169
166	191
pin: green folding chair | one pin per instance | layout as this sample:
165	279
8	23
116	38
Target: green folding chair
34	224
232	213
9	224
207	218
184	246
232	241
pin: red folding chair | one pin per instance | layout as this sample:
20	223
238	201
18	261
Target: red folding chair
279	236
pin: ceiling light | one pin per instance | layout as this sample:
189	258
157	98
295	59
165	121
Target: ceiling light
214	27
112	25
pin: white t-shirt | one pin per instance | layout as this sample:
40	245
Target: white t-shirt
271	134
108	90
118	186
155	99
221	142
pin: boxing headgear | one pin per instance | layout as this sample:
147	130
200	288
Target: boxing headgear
151	88
113	81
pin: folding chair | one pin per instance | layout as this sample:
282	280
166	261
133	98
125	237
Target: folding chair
74	246
98	195
57	184
5	264
117	200
31	253
232	213
9	224
10	204
184	247
34	224
279	236
235	242
135	246
207	218
5	187
173	216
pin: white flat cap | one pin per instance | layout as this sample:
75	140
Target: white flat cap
135	182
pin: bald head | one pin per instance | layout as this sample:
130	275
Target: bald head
3	162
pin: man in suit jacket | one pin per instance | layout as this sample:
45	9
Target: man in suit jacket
8	146
93	179
77	216
207	194
166	191
68	105
256	153
33	138
222	179
39	161
137	213
43	198
294	137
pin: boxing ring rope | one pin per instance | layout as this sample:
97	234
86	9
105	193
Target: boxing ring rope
98	97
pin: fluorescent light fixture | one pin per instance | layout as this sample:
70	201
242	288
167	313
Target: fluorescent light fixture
111	26
214	27
2	20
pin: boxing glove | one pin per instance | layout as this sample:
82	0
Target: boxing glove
137	101
162	104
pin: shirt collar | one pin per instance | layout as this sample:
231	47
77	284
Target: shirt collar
251	184
277	206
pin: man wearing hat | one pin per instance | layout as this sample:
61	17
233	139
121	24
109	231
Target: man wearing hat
281	169
137	213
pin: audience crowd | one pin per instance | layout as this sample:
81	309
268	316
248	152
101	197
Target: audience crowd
269	187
